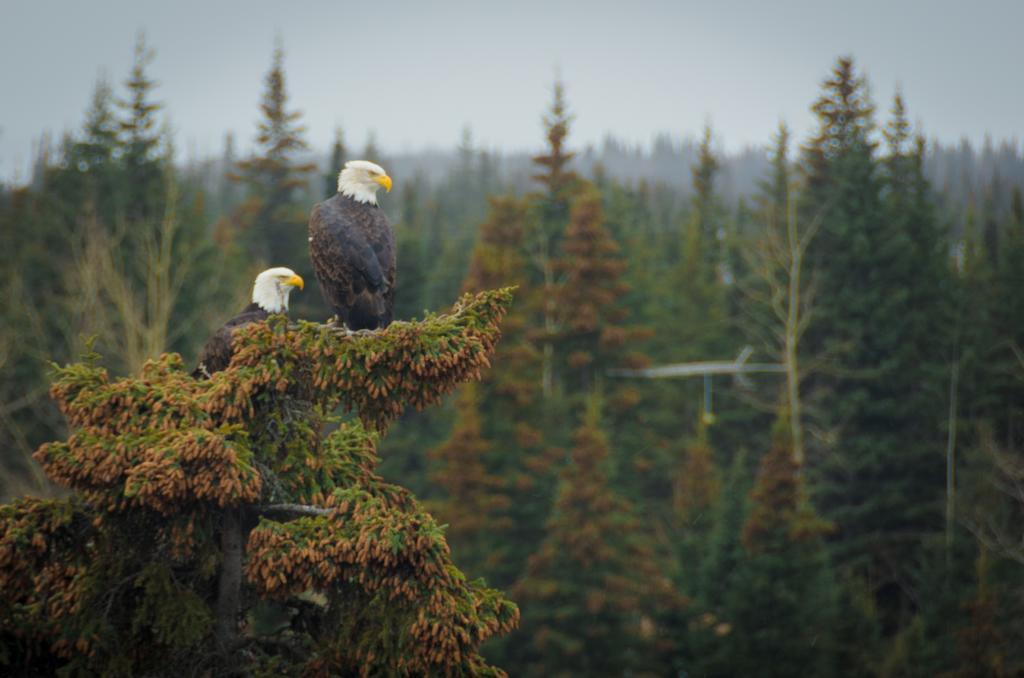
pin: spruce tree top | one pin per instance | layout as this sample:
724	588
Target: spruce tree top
122	578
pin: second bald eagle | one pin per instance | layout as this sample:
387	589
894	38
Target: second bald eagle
353	249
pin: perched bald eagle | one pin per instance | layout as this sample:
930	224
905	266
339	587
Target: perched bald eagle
269	295
353	249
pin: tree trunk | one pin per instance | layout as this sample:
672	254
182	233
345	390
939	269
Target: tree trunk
792	334
548	365
230	583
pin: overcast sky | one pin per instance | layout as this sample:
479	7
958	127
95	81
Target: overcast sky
417	72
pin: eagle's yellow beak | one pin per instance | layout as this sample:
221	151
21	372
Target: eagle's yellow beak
295	281
385	181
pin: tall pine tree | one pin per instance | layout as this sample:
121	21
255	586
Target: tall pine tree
781	604
144	151
271	221
882	483
335	163
593	323
550	217
593	591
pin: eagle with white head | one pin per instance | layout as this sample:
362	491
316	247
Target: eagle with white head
269	295
352	248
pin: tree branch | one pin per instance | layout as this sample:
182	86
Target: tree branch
293	510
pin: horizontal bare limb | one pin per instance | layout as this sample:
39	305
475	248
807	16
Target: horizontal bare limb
293	510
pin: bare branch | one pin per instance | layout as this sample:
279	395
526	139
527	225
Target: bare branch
293	510
993	539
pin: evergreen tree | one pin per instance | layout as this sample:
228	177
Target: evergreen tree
712	578
521	456
882	483
697	484
473	496
197	499
781	605
774	191
335	163
926	646
1006	354
100	142
974	327
857	630
227	193
109	244
143	149
550	216
138	268
30	234
724	549
370	151
416	260
593	331
982	647
553	172
778	287
706	210
694	324
498	259
593	589
272	218
696	493
462	200
643	417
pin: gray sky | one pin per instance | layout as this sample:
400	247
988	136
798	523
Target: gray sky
417	72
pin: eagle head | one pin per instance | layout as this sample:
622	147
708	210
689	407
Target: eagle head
360	180
272	287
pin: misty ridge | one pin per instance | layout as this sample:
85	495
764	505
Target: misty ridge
961	174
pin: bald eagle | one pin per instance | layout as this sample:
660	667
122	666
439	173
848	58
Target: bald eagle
269	295
353	249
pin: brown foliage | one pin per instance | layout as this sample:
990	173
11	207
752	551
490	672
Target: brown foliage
697	485
156	458
383	554
595	579
779	507
473	493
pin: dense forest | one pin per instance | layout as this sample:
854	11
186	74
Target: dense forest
854	510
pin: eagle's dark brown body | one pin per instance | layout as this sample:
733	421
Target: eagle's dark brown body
216	354
353	251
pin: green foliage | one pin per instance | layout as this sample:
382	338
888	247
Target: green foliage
696	494
275	208
881	304
111	241
120	579
141	144
592	321
694	324
474	497
781	606
173	613
593	591
395	602
336	162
